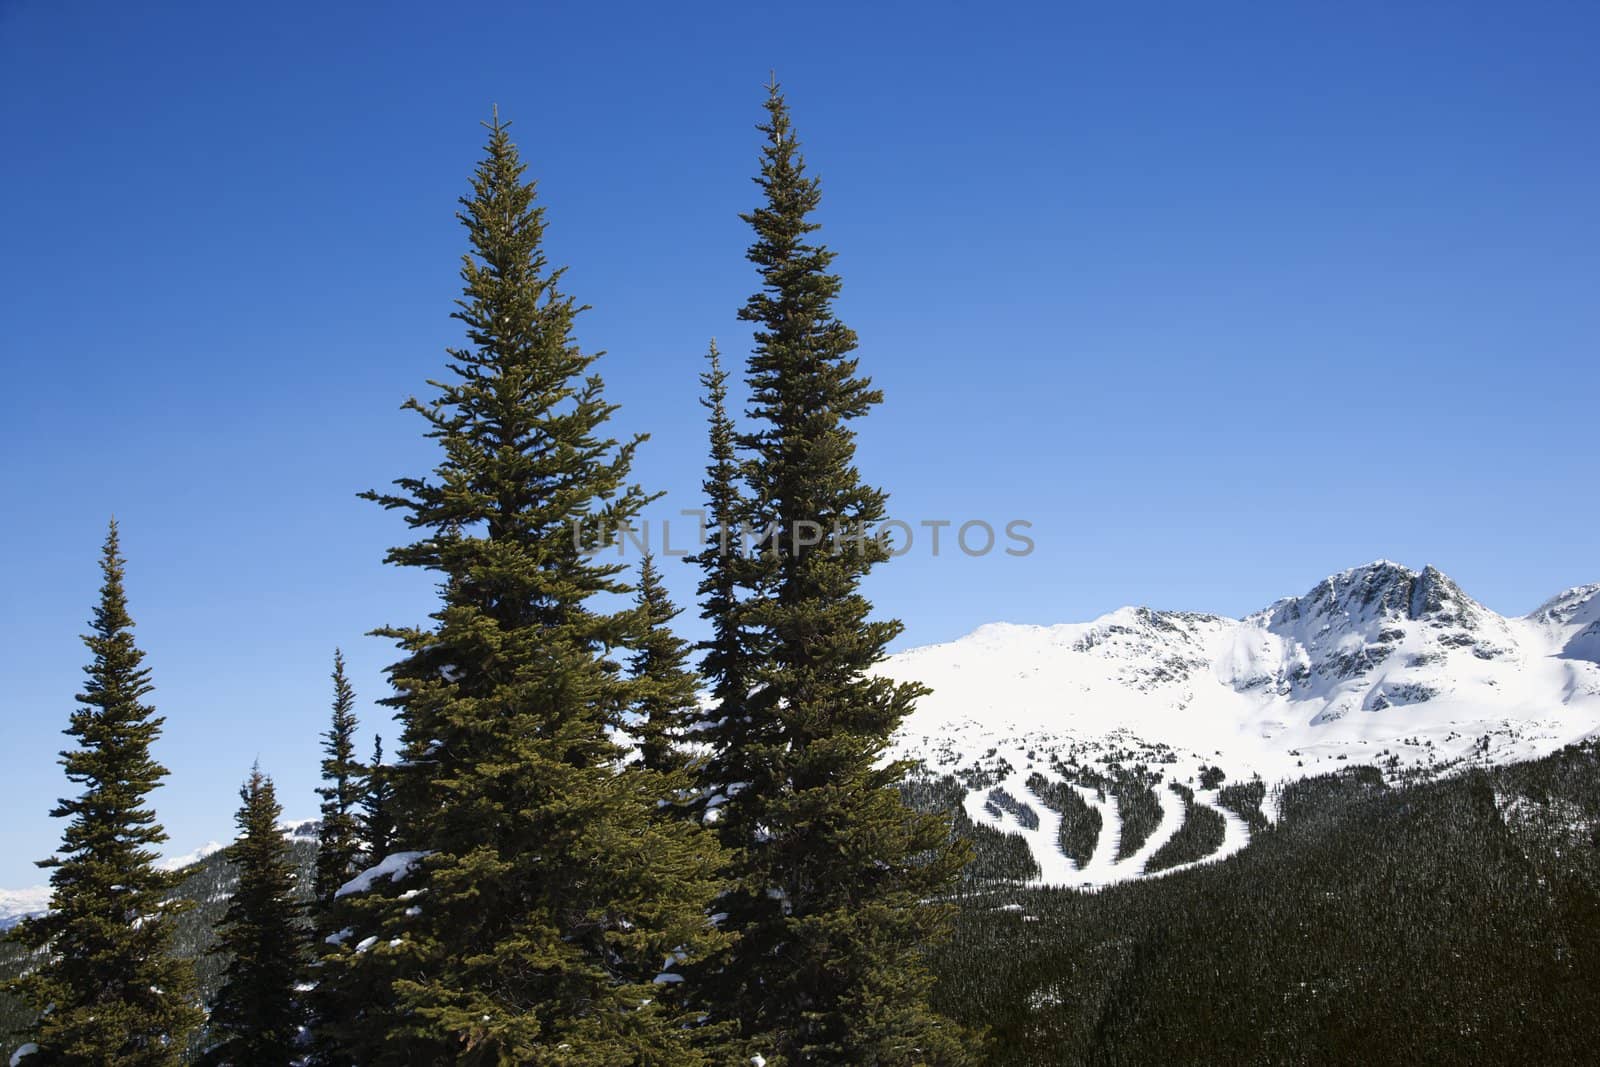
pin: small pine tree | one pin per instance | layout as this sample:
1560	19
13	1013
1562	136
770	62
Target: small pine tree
836	875
341	850
719	559
727	652
339	835
108	991
543	892
666	684
377	806
256	1018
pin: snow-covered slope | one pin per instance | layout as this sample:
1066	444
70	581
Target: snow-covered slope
1379	664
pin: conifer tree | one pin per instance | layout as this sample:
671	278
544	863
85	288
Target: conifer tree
108	991
666	684
377	806
339	835
834	871
256	1018
542	893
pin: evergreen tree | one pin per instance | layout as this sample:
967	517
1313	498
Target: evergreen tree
339	836
255	1018
666	685
835	872
542	893
377	805
108	992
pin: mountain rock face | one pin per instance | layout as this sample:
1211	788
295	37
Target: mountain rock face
1379	664
1371	638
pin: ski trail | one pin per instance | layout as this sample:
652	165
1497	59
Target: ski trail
1235	835
1101	868
1055	869
1172	816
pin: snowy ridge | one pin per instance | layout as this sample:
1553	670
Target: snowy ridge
1378	664
178	863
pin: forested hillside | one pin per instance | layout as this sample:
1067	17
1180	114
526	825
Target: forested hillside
1456	921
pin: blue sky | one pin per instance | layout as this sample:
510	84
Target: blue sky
1220	297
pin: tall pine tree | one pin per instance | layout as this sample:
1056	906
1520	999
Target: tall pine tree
542	894
256	1017
108	991
339	835
667	686
835	872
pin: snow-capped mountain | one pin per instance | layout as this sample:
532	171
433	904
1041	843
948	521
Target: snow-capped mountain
1377	655
1379	664
18	904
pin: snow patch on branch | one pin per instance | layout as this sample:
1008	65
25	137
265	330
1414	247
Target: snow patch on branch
394	866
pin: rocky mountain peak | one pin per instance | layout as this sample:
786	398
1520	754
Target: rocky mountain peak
1382	590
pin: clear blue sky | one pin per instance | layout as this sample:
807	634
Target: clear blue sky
1222	297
